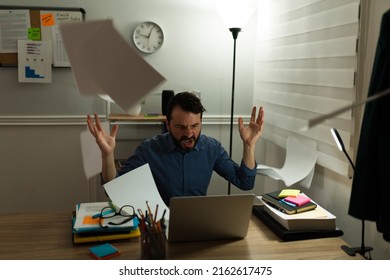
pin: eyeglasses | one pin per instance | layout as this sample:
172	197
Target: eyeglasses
110	217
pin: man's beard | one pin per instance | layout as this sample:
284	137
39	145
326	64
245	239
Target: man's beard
178	142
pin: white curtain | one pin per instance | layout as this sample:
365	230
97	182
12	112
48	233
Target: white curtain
306	63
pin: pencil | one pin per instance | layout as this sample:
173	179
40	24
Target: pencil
155	214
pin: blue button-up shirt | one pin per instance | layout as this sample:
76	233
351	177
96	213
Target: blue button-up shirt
178	173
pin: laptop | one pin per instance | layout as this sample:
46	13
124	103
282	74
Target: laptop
212	217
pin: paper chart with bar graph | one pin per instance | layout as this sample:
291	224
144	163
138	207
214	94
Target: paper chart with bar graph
34	61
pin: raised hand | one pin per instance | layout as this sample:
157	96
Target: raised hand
106	142
251	133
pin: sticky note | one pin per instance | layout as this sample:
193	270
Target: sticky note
88	220
47	20
104	251
288	192
34	34
298	200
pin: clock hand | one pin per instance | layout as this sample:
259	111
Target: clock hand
150	32
143	35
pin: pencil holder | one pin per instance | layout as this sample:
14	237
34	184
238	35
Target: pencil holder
153	245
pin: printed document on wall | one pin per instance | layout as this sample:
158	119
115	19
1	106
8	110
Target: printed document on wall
13	27
34	61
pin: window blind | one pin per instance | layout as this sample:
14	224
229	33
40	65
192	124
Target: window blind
306	63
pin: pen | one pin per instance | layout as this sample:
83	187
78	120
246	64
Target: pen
102	214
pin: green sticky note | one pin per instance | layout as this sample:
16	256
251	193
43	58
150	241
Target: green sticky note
34	33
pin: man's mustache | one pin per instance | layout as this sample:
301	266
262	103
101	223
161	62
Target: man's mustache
184	138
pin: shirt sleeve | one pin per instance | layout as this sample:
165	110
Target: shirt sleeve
239	175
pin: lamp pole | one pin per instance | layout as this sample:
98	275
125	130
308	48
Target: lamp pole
234	31
362	250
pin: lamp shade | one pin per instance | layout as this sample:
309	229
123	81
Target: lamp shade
236	16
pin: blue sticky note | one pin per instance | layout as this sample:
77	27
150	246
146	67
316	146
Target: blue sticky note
103	250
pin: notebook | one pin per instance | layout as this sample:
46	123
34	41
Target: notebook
274	200
217	217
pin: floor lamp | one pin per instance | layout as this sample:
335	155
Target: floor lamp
236	17
235	31
362	250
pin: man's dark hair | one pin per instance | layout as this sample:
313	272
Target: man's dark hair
188	102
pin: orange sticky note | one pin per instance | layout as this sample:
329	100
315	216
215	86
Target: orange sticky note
88	220
47	20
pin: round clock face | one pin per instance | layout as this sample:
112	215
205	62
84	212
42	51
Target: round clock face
148	37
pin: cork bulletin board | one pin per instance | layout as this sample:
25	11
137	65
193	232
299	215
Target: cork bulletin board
33	23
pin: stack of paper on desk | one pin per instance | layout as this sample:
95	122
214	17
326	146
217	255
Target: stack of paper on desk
86	228
85	221
317	219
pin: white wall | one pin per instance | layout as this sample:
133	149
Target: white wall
197	52
43	166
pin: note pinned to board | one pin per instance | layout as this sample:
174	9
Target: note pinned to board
34	34
103	63
47	19
301	157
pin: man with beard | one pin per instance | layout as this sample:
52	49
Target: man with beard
182	160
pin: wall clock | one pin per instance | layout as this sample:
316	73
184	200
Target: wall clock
148	37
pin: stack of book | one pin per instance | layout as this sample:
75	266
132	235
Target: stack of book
86	225
289	202
295	217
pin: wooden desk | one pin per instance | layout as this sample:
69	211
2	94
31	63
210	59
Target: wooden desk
48	236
